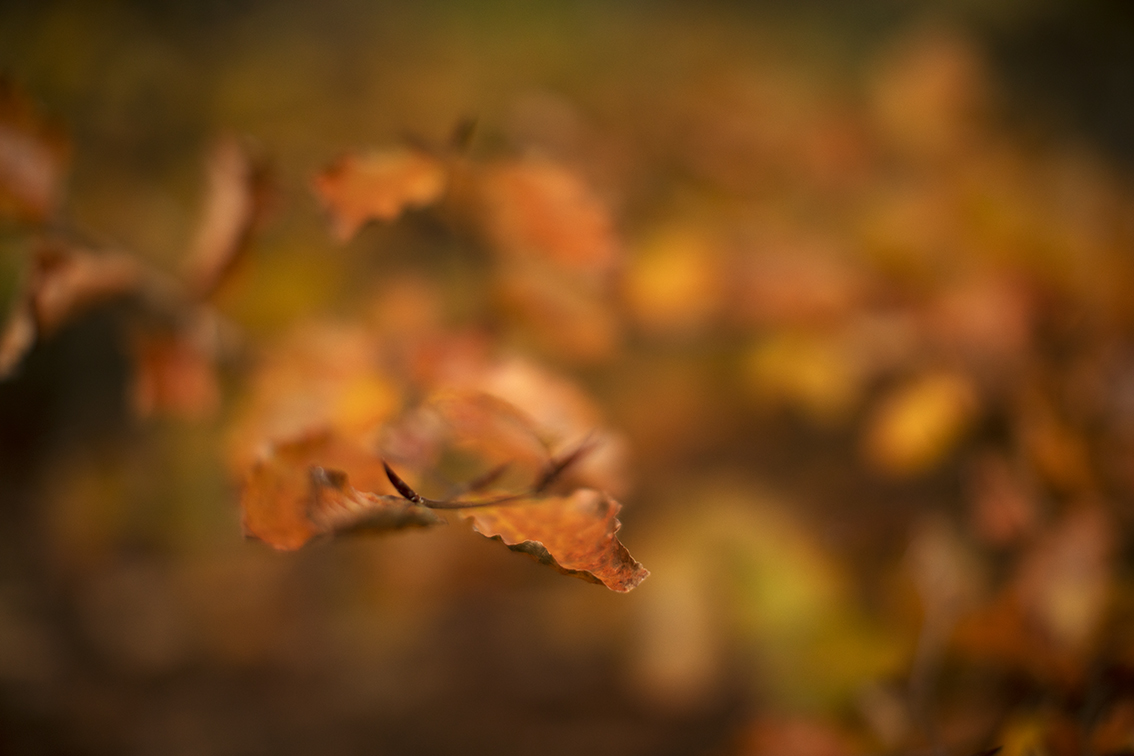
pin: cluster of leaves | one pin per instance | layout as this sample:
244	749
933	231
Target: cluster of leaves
328	409
176	337
900	273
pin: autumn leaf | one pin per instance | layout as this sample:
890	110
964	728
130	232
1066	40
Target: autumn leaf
34	157
235	202
378	185
674	283
574	534
63	281
299	489
920	422
817	373
175	373
786	281
538	208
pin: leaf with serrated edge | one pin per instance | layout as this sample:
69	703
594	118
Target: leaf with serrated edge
575	534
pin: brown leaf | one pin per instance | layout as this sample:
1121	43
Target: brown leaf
62	282
378	185
575	534
66	280
34	157
538	208
235	201
174	373
299	489
563	418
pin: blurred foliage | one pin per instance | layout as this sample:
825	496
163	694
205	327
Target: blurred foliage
842	323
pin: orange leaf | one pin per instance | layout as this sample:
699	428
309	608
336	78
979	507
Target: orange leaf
537	208
919	423
378	185
63	281
235	201
575	534
174	373
299	489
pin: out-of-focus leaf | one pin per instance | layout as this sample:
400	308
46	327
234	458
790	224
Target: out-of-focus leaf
916	425
929	92
493	429
567	316
674	282
558	414
793	282
813	372
535	208
66	280
575	534
378	185
235	200
987	318
17	339
174	373
336	507
1057	451
1064	582
62	282
323	376
34	157
1115	732
1047	619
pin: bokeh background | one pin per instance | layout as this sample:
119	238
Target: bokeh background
870	341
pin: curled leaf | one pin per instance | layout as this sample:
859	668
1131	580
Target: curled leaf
378	185
62	282
574	534
235	200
